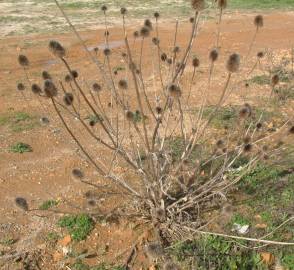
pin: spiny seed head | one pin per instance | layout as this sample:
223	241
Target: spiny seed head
50	89
123	84
198	4
23	60
158	110
222	4
130	116
170	266
247	147
220	143
191	20
233	63
96	50
91	203
68	78
20	87
96	87
259	125
155	41
77	174
213	55
260	55
46	75
176	49
123	11
148	24
107	52
156	15
163	57
74	74
36	89
145	32
247	85
104	8
154	250
68	99
106	33
136	34
291	130
56	48
246	111
169	61
174	91
44	120
92	123
195	62
258	21
275	80
124	55
22	203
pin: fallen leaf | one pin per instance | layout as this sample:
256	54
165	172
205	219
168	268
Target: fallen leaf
261	226
65	241
267	258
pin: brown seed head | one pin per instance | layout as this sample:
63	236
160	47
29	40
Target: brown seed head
46	75
163	57
68	78
247	147
213	55
222	4
107	52
233	63
198	4
220	143
74	74
23	60
259	125
155	41
36	89
123	84
130	116
68	99
123	11
21	87
22	203
195	62
50	89
158	110
96	87
104	8
136	34
174	91
148	24
291	130
275	80
156	15
77	174
56	49
258	21
191	20
176	49
145	32
260	55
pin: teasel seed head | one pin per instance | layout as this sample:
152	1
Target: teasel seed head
220	143
259	125
145	32
104	8
36	89
156	15
107	52
158	110
78	174
136	34
106	33
68	99
291	130
123	84
96	87
247	147
260	55
174	91
233	63
191	20
96	50
22	203
148	24
130	116
163	57
247	85
123	11
222	4
155	41
21	87
169	265
50	89
213	55
169	61
195	62
92	123
154	250
56	48
46	75
74	74
176	49
246	111
275	80
258	21
23	60
68	78
198	4
91	203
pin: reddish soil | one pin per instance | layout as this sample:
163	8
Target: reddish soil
46	172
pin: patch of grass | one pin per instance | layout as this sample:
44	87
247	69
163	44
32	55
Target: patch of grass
288	261
52	236
216	253
260	80
20	148
240	219
261	4
48	204
79	226
7	241
80	265
285	93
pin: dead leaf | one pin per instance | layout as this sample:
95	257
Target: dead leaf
261	226
267	258
65	241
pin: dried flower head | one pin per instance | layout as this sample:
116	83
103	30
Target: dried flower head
123	84
92	123
158	110
155	41
46	75
22	203
96	50
36	89
220	143
136	34
74	74
104	8
96	87
106	33
260	55
130	116
258	21
247	147
68	78
192	19
123	11
91	203
176	49
245	111
50	89
107	52
222	4
174	91
68	99
56	48
154	250
156	15
198	4
169	61
259	125
21	87
145	32
275	80
195	62
77	174
148	24
23	60
233	63
213	55
163	57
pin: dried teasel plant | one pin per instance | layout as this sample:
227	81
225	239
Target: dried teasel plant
168	188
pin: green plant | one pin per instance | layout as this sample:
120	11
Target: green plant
48	204
240	219
52	236
79	226
7	241
21	148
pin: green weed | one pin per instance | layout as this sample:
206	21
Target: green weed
48	204
20	147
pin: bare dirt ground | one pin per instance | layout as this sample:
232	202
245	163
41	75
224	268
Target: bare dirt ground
45	173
